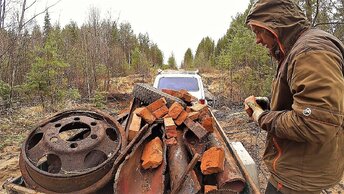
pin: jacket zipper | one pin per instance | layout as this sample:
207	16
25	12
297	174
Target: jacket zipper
279	153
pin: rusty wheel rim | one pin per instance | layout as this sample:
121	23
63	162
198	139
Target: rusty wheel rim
72	151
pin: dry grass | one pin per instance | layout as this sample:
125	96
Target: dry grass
15	125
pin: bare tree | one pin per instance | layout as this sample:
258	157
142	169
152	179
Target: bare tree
94	43
24	8
2	13
18	42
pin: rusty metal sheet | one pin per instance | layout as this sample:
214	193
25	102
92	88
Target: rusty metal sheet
196	128
193	144
231	179
132	178
251	186
122	117
144	131
177	163
13	188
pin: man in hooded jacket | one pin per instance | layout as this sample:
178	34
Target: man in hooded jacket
305	142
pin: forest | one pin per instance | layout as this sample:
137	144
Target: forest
50	64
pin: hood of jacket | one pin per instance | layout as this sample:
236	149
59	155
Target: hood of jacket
283	18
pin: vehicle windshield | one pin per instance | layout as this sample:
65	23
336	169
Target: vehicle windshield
177	83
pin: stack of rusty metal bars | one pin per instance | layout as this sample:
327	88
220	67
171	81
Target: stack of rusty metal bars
181	151
165	142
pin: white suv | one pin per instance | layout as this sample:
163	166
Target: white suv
177	80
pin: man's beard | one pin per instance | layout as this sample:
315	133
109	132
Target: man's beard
276	52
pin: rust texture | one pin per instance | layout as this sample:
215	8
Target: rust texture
186	171
71	152
137	140
193	144
88	151
177	163
231	178
196	128
132	178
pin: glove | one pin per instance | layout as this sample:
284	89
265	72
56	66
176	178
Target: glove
263	102
252	108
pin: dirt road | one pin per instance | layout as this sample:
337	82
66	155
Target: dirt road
232	119
238	128
15	126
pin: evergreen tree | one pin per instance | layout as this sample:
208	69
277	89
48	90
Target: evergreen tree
188	59
139	63
144	42
339	16
172	62
45	76
4	91
127	39
221	45
327	15
157	56
204	56
47	25
248	64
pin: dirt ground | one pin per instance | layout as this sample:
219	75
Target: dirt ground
16	124
238	128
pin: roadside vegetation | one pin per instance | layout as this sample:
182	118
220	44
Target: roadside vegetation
53	66
50	68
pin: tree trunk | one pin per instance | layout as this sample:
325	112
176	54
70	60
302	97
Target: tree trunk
231	81
21	20
86	67
16	44
309	10
1	13
13	67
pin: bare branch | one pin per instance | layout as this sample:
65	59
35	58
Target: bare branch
2	12
316	13
327	23
28	7
21	20
40	13
5	51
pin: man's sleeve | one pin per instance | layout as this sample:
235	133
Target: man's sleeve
317	114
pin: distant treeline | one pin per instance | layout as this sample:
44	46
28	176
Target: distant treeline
50	64
249	67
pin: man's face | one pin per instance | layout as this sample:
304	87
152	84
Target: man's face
264	37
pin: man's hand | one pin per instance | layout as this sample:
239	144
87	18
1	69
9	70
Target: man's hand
263	102
252	108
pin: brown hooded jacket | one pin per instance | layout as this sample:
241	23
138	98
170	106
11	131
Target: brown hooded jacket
305	142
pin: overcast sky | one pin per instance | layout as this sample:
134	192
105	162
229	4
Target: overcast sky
174	25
